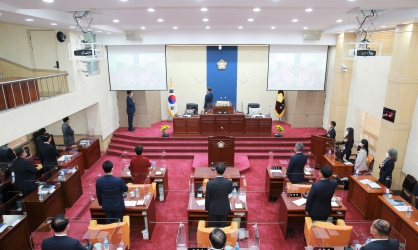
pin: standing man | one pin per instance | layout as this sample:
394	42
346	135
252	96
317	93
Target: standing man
48	154
208	99
109	190
6	154
25	173
60	240
67	132
139	166
331	131
39	140
130	109
380	230
216	199
297	162
318	204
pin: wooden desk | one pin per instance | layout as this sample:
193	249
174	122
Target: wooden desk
38	211
363	197
71	188
233	124
127	178
17	237
338	168
76	160
135	213
91	153
405	226
290	212
274	184
206	173
196	212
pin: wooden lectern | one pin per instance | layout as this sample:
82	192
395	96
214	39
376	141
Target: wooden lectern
221	149
318	146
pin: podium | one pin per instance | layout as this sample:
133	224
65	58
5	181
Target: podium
221	149
318	146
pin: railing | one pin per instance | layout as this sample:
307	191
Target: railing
23	91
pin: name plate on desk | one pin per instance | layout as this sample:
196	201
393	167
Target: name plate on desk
294	195
323	248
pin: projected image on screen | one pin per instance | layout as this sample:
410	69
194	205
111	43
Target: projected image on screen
137	67
297	71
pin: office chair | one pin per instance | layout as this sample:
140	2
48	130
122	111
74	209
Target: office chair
203	234
114	232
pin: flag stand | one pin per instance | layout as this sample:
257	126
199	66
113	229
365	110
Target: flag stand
168	118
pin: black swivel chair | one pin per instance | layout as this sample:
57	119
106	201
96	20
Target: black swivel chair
192	106
408	187
252	105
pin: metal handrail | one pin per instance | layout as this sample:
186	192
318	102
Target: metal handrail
34	78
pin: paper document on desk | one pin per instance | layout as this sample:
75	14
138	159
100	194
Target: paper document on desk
307	173
275	171
64	157
200	202
373	185
141	202
334	204
401	208
365	181
300	202
130	203
238	205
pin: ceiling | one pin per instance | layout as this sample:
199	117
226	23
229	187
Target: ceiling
221	14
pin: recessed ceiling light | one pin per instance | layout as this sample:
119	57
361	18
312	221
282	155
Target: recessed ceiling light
116	21
123	0
406	23
309	10
29	20
205	20
108	33
99	31
295	20
272	27
383	26
207	27
256	9
160	20
250	20
53	24
48	1
203	9
175	27
150	10
351	0
339	21
72	27
240	27
142	28
305	28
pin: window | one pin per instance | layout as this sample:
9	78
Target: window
370	129
19	142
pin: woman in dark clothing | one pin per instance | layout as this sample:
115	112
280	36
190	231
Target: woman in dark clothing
349	142
387	166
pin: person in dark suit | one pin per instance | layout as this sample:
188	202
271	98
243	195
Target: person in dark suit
39	140
130	109
6	154
25	173
318	204
297	162
60	240
217	238
208	100
380	230
109	190
348	142
331	131
216	198
388	165
67	132
48	154
139	166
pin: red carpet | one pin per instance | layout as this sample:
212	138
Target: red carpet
174	209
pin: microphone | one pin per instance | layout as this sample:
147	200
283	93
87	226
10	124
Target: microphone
224	131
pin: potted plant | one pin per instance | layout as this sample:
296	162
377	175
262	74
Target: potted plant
279	129
163	128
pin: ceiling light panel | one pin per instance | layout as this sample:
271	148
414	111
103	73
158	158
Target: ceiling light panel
150	10
256	9
203	9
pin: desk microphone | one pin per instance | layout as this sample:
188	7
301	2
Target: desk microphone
224	131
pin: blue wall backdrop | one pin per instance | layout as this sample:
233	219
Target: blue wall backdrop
223	82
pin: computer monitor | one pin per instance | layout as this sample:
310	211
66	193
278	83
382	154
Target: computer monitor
253	105
254	111
192	106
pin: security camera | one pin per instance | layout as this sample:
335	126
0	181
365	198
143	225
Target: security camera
344	70
344	67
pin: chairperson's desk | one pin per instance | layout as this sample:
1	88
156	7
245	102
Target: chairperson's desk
206	173
363	197
407	227
136	213
338	168
291	213
17	237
